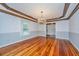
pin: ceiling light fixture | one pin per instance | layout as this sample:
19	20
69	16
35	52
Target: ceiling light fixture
42	19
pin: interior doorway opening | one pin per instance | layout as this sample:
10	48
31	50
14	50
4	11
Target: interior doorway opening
51	30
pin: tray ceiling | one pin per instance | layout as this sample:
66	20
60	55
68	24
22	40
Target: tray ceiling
50	10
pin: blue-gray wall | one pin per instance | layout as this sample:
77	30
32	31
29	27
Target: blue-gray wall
11	29
74	29
62	29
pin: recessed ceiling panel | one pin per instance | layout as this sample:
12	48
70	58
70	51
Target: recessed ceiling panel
50	10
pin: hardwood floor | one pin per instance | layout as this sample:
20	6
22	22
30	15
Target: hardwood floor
40	46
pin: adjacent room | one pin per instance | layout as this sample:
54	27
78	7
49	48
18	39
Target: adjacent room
39	29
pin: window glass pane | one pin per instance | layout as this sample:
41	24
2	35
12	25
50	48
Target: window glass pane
25	28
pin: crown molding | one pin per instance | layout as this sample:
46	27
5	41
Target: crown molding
13	14
16	11
66	6
71	14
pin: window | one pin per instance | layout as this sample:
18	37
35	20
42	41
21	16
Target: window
25	28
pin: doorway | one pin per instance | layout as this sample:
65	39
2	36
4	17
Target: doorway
51	30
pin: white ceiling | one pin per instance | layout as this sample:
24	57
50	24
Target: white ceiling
50	10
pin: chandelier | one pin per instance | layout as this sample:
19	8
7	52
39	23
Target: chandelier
42	19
